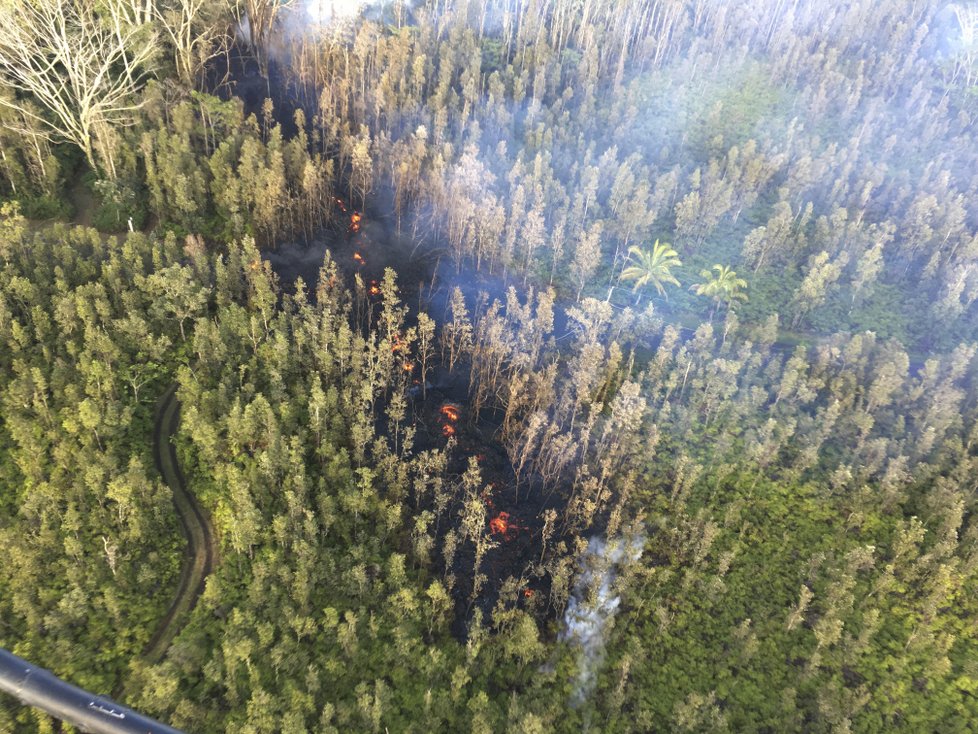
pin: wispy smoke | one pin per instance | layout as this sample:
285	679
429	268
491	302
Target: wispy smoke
594	603
326	11
313	15
308	19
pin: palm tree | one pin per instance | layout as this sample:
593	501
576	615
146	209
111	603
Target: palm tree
651	266
724	287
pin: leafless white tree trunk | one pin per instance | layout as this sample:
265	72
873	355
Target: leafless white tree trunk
83	68
261	15
195	30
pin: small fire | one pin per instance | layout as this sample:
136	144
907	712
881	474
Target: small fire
256	264
374	288
398	345
359	258
408	367
502	525
450	415
341	205
355	221
528	593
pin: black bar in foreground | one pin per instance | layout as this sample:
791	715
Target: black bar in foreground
35	686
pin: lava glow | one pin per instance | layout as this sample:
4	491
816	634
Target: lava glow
502	525
450	413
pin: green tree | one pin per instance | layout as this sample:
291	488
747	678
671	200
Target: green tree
724	287
177	294
651	266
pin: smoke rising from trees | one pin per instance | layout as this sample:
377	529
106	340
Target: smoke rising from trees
699	273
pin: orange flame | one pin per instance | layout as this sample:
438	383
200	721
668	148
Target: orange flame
500	525
256	264
342	205
355	221
359	258
503	525
528	593
450	415
374	288
408	367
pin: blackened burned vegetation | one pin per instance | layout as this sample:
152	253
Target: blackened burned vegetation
505	491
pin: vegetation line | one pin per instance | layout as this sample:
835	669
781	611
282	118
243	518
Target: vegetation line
201	554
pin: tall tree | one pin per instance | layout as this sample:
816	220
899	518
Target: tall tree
652	266
260	17
82	67
195	33
724	287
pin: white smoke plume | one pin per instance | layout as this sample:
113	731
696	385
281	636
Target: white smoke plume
323	12
594	604
309	18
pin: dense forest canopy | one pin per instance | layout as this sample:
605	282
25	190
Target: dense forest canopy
628	382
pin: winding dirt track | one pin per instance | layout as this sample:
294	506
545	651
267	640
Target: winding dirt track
201	554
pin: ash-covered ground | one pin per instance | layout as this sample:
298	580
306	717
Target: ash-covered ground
426	278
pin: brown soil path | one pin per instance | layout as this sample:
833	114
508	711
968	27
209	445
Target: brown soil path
201	554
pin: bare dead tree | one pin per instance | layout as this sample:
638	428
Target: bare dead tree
81	66
197	31
262	16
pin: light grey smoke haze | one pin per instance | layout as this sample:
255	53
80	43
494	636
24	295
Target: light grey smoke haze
594	603
322	12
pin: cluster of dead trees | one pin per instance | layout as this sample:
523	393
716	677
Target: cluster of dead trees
515	142
510	132
77	68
